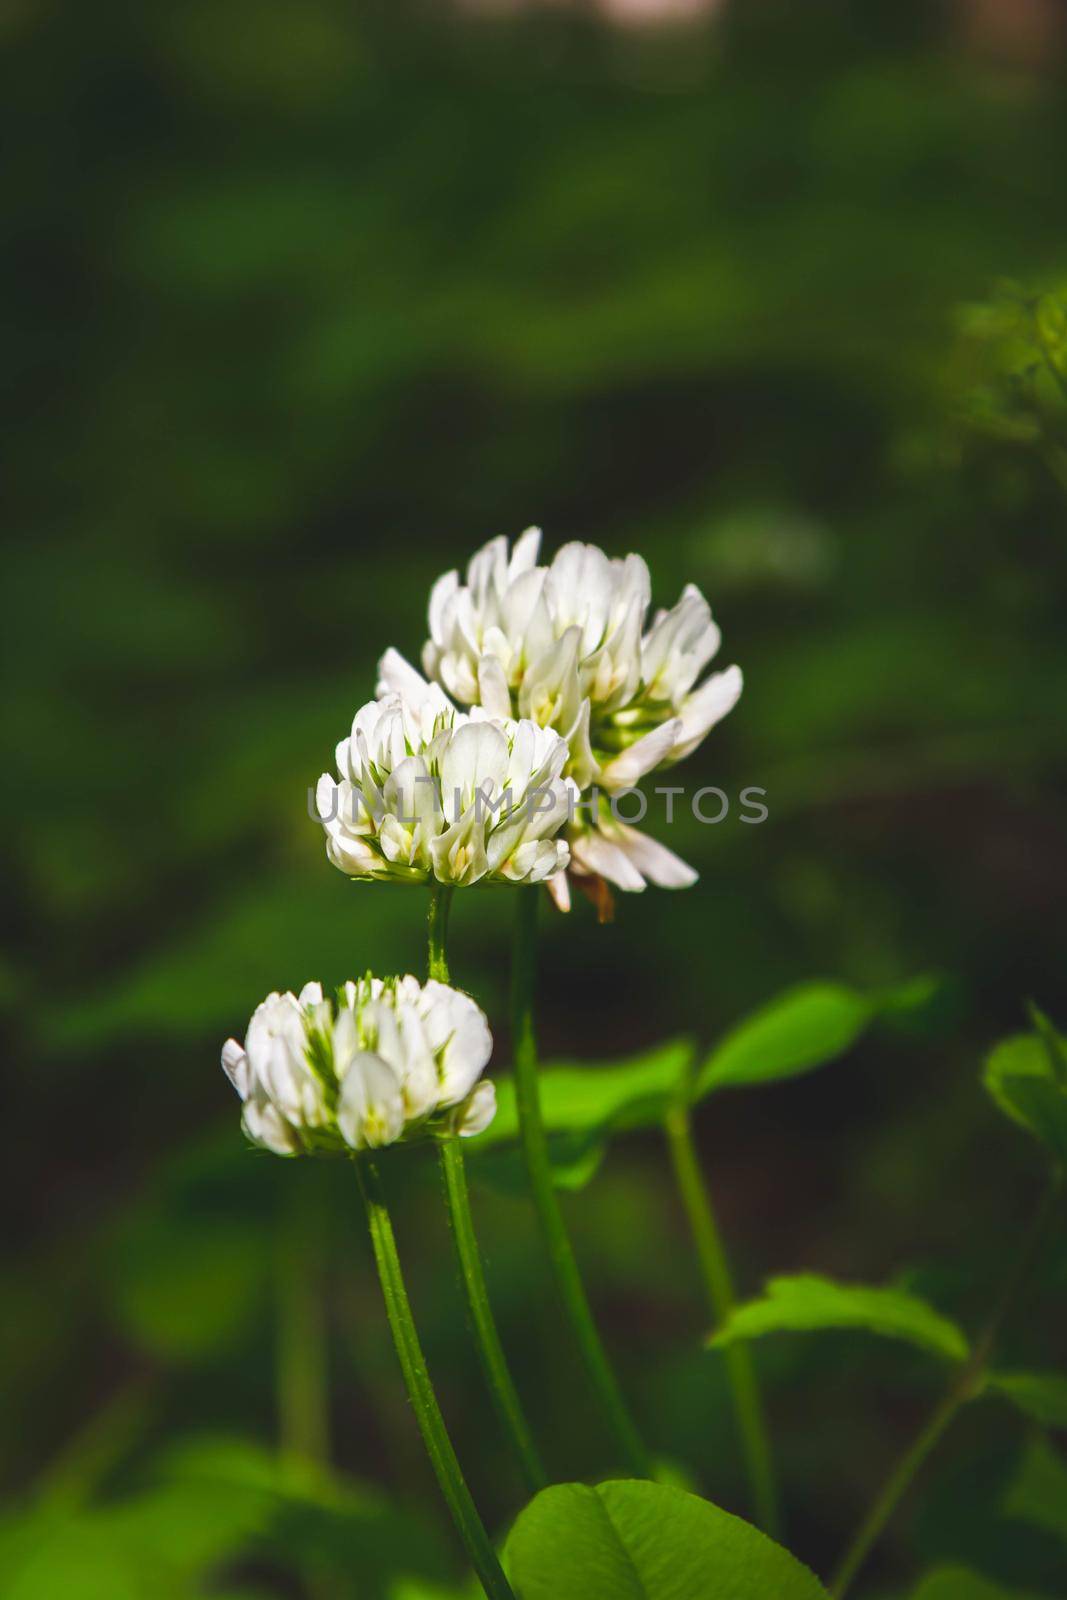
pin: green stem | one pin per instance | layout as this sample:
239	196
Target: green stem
303	1405
539	1171
501	1386
965	1386
453	1169
420	1389
719	1289
440	905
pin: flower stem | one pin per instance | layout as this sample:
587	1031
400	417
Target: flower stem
440	905
501	1386
421	1392
457	1198
965	1386
719	1289
539	1171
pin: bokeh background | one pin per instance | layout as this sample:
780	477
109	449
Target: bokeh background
306	300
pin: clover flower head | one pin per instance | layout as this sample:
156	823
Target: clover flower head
569	646
428	791
538	641
379	1061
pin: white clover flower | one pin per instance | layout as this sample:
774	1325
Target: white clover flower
376	1063
426	791
567	646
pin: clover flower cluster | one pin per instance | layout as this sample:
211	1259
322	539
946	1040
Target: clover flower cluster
428	791
547	691
377	1062
569	646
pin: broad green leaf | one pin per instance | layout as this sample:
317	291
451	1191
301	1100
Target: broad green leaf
644	1541
157	1542
956	1583
808	1303
1041	1395
1054	1043
593	1099
802	1029
575	1159
1038	1494
316	1517
1021	1075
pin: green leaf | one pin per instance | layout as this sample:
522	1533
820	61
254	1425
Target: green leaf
1038	1494
808	1303
1053	1041
1041	1395
644	1541
592	1099
802	1029
1021	1074
956	1583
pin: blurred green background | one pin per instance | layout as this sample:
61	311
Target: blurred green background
304	301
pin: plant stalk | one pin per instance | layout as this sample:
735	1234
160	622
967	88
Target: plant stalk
965	1386
546	1203
421	1392
498	1376
437	929
457	1199
718	1286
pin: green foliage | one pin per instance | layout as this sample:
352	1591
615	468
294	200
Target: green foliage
807	1027
808	1303
644	1541
1015	345
1038	1492
185	1291
1040	1395
210	1502
595	1100
330	294
956	1583
1026	1077
584	1106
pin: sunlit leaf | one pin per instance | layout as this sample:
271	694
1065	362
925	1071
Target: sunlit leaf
1038	1494
804	1028
809	1303
956	1583
593	1099
1041	1395
1021	1076
644	1541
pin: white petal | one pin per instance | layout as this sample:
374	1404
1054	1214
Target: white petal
653	860
591	852
559	887
476	759
493	689
524	556
440	599
479	1110
265	1126
396	675
705	707
370	1111
466	1054
624	770
235	1066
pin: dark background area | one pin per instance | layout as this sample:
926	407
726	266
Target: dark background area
305	301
